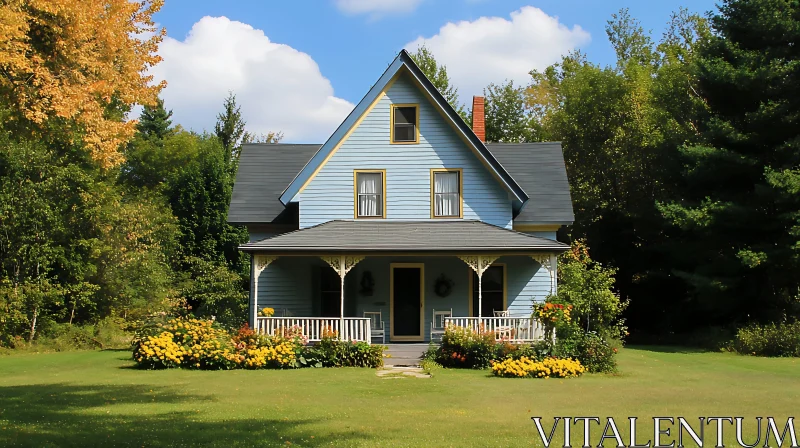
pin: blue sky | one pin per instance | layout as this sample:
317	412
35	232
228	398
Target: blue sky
300	66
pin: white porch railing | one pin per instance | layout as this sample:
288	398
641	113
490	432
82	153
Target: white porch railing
354	328
511	329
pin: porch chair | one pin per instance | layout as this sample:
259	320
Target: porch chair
437	324
503	328
377	328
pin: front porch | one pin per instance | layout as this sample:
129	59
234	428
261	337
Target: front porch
464	273
515	330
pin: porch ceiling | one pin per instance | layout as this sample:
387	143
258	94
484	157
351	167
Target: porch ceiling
364	236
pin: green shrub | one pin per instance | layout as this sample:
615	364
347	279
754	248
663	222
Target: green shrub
462	347
781	339
589	288
107	333
593	351
331	352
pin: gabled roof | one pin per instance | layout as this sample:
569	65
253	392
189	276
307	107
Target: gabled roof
264	172
266	169
365	236
539	168
402	61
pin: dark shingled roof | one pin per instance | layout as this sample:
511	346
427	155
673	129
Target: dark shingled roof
264	172
266	169
539	169
416	236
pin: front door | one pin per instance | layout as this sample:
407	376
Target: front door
407	301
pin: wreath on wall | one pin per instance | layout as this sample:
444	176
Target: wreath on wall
367	283
443	286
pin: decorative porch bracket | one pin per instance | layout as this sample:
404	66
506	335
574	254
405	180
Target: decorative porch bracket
342	264
260	262
548	261
479	264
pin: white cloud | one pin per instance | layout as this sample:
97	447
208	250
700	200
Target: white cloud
377	8
278	87
493	49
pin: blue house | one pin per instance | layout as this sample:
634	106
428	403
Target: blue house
403	221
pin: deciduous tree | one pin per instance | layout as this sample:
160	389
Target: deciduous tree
67	65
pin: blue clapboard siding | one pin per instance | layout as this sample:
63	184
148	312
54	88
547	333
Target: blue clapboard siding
549	235
287	283
528	282
330	194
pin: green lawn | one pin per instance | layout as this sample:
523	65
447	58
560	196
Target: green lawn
96	398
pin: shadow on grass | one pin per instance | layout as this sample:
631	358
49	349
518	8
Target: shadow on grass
668	349
64	415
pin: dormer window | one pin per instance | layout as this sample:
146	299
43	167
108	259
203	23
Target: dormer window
370	201
446	186
405	123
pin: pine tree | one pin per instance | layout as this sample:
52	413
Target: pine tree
741	216
154	123
230	128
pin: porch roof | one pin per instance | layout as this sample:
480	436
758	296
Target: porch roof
364	236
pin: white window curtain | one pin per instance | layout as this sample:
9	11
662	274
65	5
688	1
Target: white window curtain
446	194
370	194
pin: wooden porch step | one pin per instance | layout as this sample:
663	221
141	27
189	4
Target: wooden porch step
404	354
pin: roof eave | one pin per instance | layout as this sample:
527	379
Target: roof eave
294	187
466	131
402	60
327	250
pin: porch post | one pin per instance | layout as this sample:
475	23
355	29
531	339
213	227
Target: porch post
479	264
548	261
260	262
342	265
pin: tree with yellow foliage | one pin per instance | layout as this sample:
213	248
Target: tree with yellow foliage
73	63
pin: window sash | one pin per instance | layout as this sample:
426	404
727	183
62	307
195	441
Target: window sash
447	194
369	197
405	124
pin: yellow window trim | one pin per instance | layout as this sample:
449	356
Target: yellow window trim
401	72
460	172
421	267
382	172
470	273
391	124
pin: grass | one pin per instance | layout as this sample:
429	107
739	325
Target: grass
96	398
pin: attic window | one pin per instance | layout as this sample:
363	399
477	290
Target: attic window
405	123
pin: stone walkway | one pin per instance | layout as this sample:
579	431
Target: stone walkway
391	372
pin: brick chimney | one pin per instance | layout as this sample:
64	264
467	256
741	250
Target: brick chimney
478	118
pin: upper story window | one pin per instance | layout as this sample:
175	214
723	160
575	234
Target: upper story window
446	186
370	200
405	123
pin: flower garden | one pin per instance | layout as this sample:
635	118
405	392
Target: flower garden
202	344
566	351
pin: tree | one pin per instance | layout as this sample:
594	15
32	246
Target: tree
620	128
72	62
150	163
508	120
437	74
154	123
199	195
740	214
230	127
